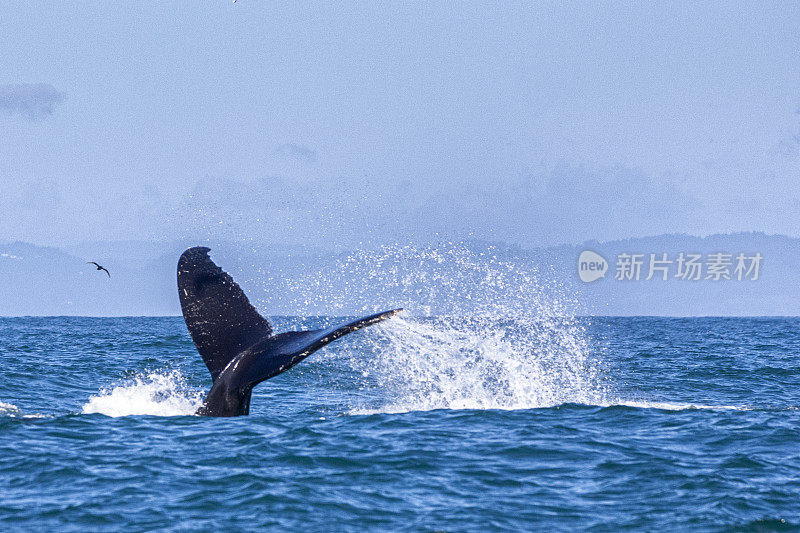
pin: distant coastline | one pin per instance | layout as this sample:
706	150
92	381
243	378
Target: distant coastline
49	281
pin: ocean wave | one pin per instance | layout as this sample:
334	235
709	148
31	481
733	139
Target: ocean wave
469	406
668	406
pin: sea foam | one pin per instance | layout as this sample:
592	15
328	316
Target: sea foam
7	409
156	393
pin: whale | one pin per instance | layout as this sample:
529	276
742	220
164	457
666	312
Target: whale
236	343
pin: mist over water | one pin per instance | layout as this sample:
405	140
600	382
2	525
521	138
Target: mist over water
436	279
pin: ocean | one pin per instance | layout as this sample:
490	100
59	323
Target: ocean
449	423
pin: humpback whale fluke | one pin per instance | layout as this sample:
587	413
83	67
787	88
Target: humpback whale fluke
236	343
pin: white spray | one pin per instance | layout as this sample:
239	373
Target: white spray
154	393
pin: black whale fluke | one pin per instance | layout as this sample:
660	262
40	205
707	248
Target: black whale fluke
236	343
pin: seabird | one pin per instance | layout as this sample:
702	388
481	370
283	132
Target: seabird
99	267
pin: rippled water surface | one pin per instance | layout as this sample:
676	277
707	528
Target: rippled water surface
418	424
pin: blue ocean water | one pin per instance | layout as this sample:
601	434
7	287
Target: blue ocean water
418	424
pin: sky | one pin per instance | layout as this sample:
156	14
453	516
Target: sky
329	124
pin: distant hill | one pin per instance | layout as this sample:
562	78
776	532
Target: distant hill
41	280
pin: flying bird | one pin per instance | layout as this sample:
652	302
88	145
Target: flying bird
99	267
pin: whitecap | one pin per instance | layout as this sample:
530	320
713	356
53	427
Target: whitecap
669	406
154	393
7	409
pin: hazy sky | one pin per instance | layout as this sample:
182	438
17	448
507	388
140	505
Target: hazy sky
533	124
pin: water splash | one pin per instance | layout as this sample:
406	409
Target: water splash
153	393
7	409
481	331
442	279
480	363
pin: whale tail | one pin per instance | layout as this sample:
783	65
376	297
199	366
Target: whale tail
281	352
236	343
